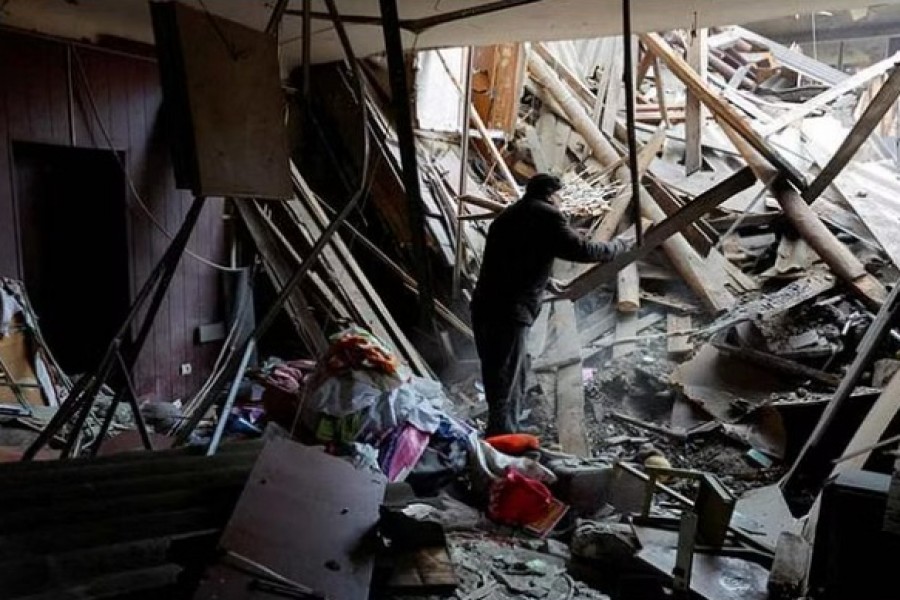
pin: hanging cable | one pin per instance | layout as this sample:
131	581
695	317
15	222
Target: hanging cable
82	74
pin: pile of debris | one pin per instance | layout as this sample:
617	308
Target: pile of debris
745	341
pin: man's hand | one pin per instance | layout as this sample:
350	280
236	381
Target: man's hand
555	287
623	243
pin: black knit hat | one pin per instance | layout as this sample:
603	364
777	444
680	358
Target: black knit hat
542	185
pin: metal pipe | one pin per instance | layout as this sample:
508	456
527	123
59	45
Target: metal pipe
307	47
393	43
232	394
463	170
70	92
629	115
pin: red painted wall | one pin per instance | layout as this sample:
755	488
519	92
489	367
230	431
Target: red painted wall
34	107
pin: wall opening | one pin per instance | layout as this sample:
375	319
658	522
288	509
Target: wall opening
74	247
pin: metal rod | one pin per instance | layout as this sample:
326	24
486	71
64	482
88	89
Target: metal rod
275	18
70	95
269	318
82	396
629	120
307	47
131	396
229	402
466	98
393	43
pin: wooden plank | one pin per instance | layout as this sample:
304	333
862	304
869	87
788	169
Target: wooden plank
563	349
626	331
830	95
386	328
679	341
612	339
628	289
874	113
805	65
663	229
721	109
697	58
596	325
279	272
670	205
613	97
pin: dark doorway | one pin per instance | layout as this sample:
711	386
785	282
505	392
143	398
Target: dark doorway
74	245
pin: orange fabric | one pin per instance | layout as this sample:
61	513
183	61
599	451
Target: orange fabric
514	444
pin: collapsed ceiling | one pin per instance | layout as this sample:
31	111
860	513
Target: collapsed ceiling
532	21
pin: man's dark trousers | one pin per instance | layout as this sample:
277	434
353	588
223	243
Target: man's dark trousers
501	342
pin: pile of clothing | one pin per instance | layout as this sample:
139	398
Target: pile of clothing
364	403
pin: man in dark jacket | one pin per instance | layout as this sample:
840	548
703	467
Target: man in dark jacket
522	243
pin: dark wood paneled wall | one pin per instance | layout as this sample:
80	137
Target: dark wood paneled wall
34	107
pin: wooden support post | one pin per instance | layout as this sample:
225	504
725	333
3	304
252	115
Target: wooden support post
697	54
719	107
643	67
660	90
628	289
835	254
393	44
874	113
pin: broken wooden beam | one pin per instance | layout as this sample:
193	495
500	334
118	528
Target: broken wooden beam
697	58
664	229
601	148
830	95
834	253
718	106
874	113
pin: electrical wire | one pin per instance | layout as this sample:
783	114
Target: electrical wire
131	185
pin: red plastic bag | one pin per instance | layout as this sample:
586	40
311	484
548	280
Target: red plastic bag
518	500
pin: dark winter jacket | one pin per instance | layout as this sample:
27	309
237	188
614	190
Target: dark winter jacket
522	243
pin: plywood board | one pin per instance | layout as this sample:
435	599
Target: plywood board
222	87
304	515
